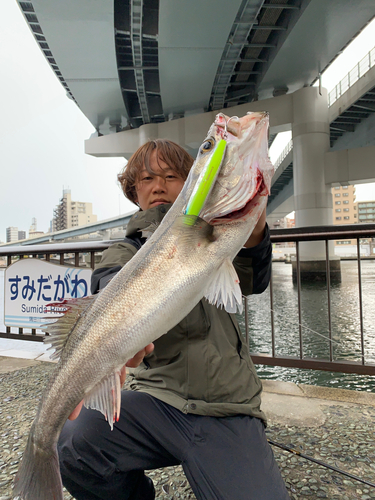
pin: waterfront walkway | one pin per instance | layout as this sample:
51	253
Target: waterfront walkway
332	425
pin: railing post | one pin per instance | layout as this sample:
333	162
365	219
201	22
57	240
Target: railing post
328	271
298	270
360	300
92	260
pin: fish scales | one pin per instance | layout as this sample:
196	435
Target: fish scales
179	265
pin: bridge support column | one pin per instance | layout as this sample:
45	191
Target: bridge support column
312	197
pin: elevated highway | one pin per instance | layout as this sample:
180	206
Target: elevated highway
141	69
351	158
128	63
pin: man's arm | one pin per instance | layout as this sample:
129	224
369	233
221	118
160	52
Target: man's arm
258	233
253	263
113	259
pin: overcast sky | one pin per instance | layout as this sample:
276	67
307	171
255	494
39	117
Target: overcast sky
42	136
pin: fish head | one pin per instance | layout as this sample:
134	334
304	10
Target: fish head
246	170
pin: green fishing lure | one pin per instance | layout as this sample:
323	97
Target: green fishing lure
205	182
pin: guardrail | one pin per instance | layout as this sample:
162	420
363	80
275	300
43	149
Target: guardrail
283	154
360	69
295	235
326	234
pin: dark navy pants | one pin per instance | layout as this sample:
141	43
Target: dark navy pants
225	458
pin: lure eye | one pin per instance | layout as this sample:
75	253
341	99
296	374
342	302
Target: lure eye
207	146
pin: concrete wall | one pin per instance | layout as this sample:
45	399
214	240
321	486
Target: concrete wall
349	166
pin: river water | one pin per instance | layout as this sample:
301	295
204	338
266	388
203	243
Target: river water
315	327
345	324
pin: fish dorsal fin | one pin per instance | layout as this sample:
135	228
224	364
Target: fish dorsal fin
106	398
224	290
60	330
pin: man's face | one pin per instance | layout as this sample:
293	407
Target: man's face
156	189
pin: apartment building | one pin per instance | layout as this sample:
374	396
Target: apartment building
12	234
366	211
344	209
69	213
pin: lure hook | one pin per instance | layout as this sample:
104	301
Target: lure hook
221	115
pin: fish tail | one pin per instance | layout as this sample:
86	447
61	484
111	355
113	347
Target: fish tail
38	477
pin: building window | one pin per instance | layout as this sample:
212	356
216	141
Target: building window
338	218
346	209
343	242
346	218
345	194
355	216
344	187
337	195
346	202
337	202
338	210
337	187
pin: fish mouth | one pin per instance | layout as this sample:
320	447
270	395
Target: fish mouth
244	211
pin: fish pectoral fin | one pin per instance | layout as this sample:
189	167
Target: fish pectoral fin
60	329
224	290
106	398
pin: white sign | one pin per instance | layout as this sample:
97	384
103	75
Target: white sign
31	284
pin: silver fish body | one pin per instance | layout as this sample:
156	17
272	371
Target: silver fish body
179	265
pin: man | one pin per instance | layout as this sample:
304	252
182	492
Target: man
195	397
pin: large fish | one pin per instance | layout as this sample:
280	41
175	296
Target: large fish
185	259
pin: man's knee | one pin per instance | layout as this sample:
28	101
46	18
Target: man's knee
79	449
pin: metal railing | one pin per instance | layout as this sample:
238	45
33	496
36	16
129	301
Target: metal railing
283	154
295	235
325	234
360	69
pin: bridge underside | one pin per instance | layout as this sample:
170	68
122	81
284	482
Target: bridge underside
127	63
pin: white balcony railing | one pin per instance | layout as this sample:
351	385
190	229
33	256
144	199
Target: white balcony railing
360	69
283	154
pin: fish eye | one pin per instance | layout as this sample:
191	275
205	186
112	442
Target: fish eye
207	145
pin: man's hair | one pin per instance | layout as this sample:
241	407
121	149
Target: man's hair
168	151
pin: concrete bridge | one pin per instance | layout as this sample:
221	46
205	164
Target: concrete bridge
141	69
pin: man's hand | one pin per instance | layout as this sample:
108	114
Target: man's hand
258	233
132	363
